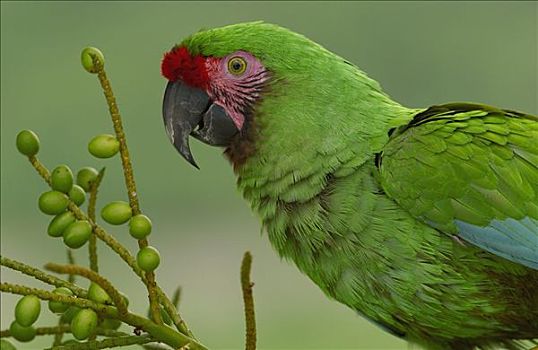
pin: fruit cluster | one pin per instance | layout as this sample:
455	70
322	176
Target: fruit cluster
55	202
63	201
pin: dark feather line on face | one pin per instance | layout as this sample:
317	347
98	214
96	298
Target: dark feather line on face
257	75
256	78
250	81
244	93
251	86
247	91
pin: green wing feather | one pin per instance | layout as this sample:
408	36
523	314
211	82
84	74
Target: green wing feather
469	170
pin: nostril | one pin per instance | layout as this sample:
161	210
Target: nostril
200	124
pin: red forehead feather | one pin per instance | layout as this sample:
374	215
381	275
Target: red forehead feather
180	64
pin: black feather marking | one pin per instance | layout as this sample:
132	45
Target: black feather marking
378	159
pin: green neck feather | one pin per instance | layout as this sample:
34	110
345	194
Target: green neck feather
326	117
321	115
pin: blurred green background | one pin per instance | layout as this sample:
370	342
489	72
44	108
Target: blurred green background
422	53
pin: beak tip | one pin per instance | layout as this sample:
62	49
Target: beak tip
189	158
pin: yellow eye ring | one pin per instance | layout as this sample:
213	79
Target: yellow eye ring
237	65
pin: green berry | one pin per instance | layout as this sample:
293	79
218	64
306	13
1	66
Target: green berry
62	179
83	324
69	314
85	177
98	294
148	258
87	61
104	146
77	195
116	213
56	306
5	345
140	226
60	222
28	143
21	333
77	234
27	310
53	202
110	323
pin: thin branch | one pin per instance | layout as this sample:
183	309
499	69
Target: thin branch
41	170
92	246
130	260
59	336
94	277
129	178
99	231
65	329
71	261
172	311
165	334
120	135
71	278
42	276
40	331
152	296
171	308
246	286
122	252
46	295
107	343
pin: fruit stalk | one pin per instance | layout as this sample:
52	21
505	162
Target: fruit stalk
122	252
41	170
92	244
106	343
94	277
120	135
71	261
71	278
65	328
128	175
99	231
163	333
248	300
42	276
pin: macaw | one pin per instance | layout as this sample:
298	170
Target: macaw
424	221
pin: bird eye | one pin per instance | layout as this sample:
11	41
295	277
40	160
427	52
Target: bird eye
237	65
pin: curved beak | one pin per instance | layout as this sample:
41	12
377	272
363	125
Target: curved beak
189	111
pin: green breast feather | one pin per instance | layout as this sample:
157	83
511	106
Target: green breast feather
423	221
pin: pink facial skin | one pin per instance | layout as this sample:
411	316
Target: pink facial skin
235	93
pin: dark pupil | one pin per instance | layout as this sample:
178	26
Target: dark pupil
236	65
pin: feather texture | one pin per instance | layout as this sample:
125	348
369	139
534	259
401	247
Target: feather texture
470	170
365	195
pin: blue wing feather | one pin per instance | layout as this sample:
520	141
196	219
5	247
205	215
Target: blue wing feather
515	240
471	171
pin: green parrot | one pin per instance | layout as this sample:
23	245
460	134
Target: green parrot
424	221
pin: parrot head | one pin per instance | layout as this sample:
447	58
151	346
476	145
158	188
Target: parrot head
263	92
218	78
208	97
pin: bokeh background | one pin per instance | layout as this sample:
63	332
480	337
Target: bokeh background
423	53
